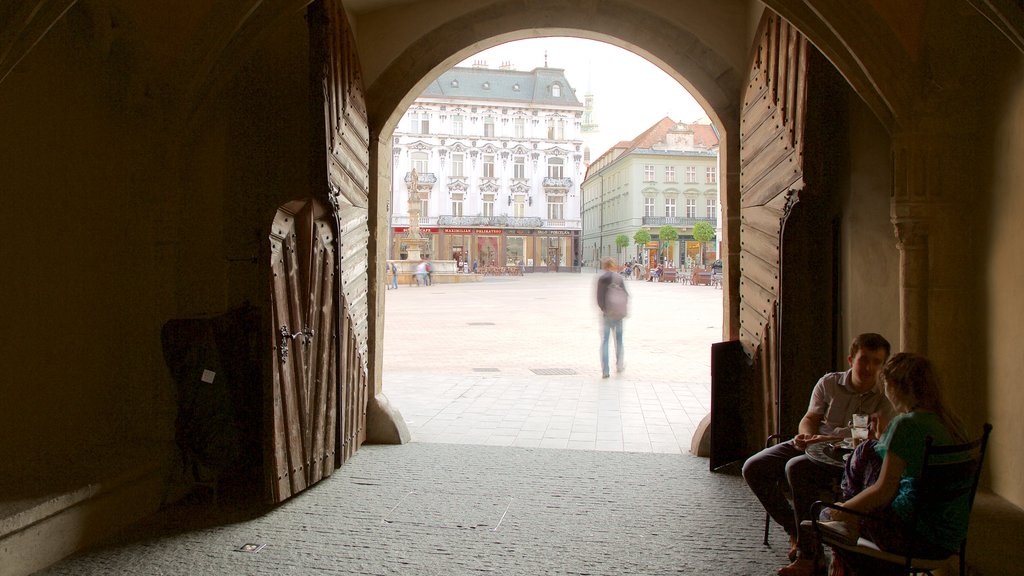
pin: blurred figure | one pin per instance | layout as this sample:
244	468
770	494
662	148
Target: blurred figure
421	273
394	276
613	300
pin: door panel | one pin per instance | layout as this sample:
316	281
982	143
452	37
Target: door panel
771	160
320	266
304	370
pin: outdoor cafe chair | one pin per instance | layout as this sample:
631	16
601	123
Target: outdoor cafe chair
941	481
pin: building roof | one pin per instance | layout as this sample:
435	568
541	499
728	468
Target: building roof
533	87
666	135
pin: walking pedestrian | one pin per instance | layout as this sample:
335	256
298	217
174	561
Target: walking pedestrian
613	300
421	273
394	276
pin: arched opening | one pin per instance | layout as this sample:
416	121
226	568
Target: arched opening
472	158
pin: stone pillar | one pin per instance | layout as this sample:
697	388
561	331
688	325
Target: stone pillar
912	241
910	213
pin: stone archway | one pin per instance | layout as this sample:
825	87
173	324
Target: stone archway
708	75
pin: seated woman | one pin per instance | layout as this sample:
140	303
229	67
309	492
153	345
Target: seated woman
880	475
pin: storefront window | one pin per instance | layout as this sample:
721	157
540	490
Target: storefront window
515	247
487	249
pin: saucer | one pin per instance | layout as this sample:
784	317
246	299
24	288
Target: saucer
844	446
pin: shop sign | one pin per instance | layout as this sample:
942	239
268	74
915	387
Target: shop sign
399	229
558	232
472	230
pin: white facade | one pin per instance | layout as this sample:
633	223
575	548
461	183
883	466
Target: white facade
497	153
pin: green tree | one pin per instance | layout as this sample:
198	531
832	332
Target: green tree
621	241
667	235
641	238
703	232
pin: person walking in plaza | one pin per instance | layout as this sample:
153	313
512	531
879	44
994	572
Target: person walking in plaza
613	300
394	276
784	468
421	273
430	271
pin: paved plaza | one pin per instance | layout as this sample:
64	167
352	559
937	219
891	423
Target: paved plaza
514	361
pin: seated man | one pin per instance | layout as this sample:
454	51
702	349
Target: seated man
835	399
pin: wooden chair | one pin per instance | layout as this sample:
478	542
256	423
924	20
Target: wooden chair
941	481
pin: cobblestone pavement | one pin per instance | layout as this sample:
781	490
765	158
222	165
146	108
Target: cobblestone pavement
524	461
514	362
446	509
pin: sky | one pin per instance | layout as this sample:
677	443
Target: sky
630	93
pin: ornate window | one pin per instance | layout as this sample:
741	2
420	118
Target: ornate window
519	167
691	207
488	205
488	166
670	207
420	122
555	167
457	125
691	174
712	205
556	207
556	90
519	206
458	161
648	206
711	174
456	204
520	127
489	127
670	173
420	161
648	172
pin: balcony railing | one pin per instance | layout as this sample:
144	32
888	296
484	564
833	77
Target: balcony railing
550	182
506	221
563	223
421	178
677	221
404	221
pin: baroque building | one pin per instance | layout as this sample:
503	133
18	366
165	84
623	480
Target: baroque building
498	160
668	175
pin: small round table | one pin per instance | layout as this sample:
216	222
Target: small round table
827	454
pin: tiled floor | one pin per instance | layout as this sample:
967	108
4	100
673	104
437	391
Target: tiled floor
514	362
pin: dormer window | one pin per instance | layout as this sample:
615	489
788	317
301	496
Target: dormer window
556	90
515	87
455	83
487	85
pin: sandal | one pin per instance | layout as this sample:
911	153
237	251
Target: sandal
799	567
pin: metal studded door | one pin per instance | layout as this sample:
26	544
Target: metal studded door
320	263
305	375
771	159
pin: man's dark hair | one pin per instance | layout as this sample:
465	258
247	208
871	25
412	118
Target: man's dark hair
870	341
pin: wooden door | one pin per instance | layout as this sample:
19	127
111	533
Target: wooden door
319	261
771	160
305	374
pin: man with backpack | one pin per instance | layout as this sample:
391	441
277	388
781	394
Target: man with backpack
613	300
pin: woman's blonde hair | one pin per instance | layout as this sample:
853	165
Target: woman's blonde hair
913	378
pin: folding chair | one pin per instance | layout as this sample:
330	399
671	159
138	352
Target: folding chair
941	481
